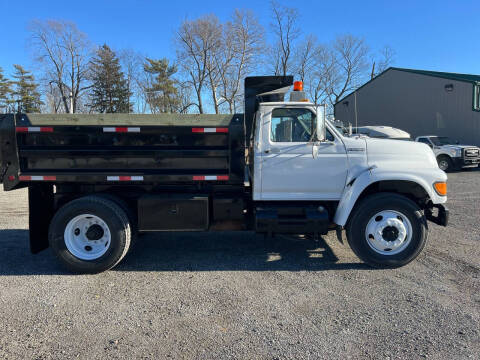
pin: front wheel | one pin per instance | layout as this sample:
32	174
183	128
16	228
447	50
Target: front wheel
387	230
445	163
90	234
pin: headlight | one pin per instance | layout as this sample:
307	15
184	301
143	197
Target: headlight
456	152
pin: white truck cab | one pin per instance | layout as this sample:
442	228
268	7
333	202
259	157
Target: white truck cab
451	156
379	187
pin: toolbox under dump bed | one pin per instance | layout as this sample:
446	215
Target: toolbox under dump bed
106	148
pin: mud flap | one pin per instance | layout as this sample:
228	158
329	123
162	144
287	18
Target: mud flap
442	216
40	206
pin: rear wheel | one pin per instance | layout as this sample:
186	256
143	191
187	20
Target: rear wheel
387	230
90	234
445	163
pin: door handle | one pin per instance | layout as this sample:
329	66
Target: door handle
273	151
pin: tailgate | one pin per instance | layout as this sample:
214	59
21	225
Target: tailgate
8	150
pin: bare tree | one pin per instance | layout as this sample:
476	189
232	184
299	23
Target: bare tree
185	97
387	57
243	41
64	52
286	31
321	78
306	57
351	62
53	99
132	66
196	41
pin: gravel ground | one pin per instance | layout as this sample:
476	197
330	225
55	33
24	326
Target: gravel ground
230	295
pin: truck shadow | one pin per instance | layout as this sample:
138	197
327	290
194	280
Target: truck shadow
228	251
231	251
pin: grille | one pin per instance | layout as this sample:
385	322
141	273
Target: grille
473	152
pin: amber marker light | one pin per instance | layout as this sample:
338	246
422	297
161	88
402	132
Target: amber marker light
441	188
298	86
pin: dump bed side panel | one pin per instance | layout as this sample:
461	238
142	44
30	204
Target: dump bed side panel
99	149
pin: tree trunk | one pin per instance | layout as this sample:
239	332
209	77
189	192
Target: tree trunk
200	105
214	98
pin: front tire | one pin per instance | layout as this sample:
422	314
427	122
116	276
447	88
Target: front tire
387	230
90	235
445	163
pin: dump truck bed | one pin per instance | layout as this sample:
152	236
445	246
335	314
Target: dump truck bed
166	148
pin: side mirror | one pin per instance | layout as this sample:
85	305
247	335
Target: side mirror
321	120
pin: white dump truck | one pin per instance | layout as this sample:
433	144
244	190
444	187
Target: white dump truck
95	181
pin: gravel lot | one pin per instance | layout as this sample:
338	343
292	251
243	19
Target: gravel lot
240	296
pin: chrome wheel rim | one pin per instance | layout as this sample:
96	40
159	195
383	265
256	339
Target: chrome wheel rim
388	232
87	237
443	165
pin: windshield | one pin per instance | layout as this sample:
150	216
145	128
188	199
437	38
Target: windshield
441	140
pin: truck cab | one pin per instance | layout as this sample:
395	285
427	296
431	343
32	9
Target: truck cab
291	152
450	155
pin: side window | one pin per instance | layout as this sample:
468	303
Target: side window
329	136
292	125
425	141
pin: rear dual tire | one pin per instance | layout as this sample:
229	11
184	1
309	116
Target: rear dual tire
387	230
90	235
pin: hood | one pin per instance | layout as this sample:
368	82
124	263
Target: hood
400	154
384	132
458	146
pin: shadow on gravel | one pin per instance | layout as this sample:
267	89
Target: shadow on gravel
16	258
231	251
228	251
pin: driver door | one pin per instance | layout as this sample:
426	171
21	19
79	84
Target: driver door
289	170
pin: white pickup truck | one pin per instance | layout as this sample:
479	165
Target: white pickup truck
451	156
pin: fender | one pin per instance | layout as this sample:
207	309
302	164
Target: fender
354	188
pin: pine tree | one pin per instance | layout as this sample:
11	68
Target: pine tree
25	93
5	92
162	93
110	93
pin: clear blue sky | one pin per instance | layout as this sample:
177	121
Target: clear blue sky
434	35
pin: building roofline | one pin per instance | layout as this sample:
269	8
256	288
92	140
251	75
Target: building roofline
470	78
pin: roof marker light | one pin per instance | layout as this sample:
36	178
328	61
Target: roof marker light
298	86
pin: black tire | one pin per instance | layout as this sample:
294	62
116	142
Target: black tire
116	220
122	203
445	163
128	211
369	207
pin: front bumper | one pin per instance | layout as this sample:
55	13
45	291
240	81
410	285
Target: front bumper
441	216
461	162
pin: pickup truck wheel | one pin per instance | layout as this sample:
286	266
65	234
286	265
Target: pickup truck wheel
90	234
444	163
387	230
